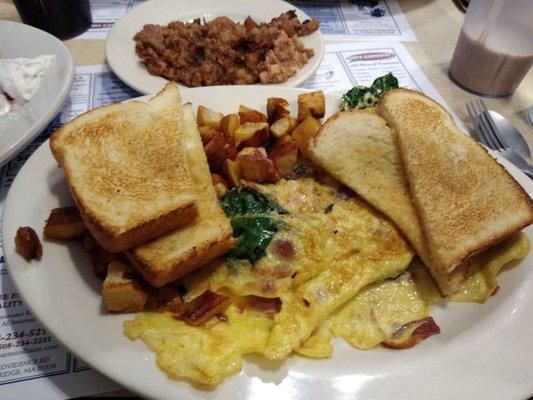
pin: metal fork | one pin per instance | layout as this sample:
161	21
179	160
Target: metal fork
487	134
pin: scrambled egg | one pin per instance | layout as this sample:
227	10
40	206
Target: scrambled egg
204	354
339	269
382	311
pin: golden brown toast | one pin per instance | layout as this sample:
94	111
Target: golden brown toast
126	169
465	199
175	254
375	172
359	149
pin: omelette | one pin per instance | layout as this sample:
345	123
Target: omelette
332	267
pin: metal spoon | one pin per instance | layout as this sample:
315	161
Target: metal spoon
511	135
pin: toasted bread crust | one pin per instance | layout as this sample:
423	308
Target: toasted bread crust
159	275
142	233
464	206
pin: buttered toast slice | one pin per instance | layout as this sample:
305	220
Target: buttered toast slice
175	254
466	201
126	169
361	151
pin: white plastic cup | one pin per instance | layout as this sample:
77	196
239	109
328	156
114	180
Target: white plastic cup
495	49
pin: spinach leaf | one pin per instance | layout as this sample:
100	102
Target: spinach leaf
255	233
364	97
251	216
248	201
384	83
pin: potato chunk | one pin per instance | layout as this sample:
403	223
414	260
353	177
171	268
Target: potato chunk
218	150
89	243
207	117
220	184
251	134
64	223
232	171
207	133
304	134
122	293
283	126
100	260
247	114
228	125
281	140
285	157
256	166
277	107
311	104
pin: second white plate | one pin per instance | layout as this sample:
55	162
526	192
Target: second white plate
19	127
120	47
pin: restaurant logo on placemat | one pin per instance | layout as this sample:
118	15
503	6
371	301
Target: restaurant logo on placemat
374	55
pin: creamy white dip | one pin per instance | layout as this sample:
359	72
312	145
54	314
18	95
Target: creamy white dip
20	78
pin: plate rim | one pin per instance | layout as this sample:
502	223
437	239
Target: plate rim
110	42
56	104
113	375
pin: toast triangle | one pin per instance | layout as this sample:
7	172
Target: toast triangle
125	167
359	149
376	173
177	253
465	199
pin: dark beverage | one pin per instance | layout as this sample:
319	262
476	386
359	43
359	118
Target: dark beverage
481	69
62	18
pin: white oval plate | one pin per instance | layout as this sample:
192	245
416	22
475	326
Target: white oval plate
484	351
18	128
120	47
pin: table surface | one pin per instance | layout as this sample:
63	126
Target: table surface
437	24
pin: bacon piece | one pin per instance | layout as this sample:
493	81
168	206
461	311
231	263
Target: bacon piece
169	299
268	306
427	328
28	244
285	248
206	306
64	223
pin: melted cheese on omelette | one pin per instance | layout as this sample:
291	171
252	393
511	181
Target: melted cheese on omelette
346	277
